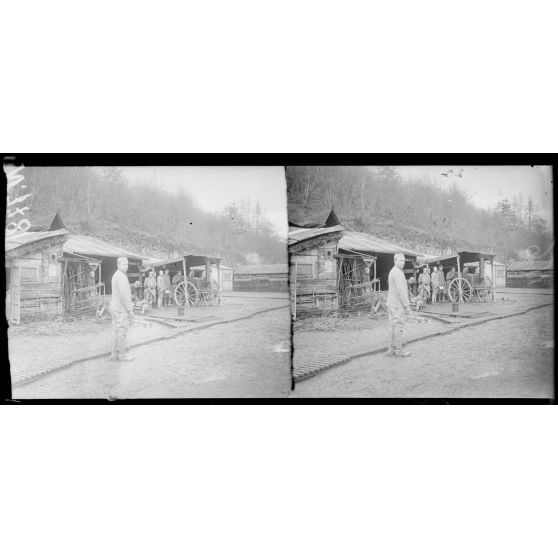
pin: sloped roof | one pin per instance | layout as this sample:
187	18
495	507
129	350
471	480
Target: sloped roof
50	222
258	269
321	219
353	241
531	266
89	246
17	241
297	235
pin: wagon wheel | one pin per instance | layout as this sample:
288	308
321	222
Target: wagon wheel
215	292
460	290
186	292
212	294
484	290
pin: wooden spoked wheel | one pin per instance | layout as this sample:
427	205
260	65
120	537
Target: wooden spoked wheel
186	293
210	294
460	290
215	292
484	290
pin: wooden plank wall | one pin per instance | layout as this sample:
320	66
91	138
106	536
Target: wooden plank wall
44	295
324	269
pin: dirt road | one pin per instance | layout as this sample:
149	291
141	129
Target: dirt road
250	358
512	357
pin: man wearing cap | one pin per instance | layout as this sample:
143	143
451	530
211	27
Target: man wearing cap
398	307
150	288
424	284
121	310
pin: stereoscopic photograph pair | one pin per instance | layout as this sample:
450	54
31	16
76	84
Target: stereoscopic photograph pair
169	282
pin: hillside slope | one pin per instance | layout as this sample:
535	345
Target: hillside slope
414	213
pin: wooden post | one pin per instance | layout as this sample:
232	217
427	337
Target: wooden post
187	303
481	268
459	277
295	279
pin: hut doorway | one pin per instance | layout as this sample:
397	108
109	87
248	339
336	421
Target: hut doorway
356	279
80	286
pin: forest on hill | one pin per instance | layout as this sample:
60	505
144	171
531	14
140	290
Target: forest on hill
148	220
416	213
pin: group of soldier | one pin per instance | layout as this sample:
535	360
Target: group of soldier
157	289
432	286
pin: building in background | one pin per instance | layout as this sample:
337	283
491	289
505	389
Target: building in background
262	278
530	274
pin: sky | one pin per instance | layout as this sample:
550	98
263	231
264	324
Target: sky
213	188
485	185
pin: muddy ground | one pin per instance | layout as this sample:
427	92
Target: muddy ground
511	357
249	358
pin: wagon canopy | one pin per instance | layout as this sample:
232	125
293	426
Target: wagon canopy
175	264
464	258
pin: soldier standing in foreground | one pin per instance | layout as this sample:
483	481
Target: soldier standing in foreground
121	310
398	307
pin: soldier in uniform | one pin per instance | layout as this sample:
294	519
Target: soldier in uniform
424	282
398	306
121	311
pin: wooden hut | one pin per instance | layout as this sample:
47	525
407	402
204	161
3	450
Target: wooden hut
33	274
331	266
261	278
530	274
313	267
54	271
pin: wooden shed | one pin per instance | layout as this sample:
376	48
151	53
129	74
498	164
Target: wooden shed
54	271
332	266
530	274
34	274
261	278
313	267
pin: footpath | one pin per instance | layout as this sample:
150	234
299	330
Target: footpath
34	355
